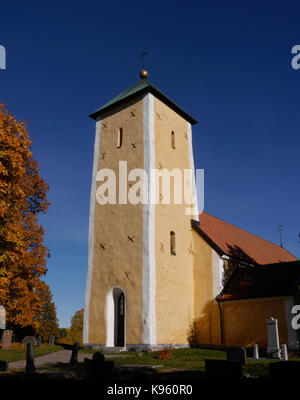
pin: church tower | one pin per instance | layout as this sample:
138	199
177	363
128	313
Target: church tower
140	281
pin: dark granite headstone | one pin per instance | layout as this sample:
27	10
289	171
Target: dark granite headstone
74	356
98	363
3	366
98	360
109	364
30	367
223	369
6	339
237	354
87	363
29	339
285	370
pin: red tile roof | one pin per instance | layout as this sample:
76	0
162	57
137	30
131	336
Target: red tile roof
236	242
280	279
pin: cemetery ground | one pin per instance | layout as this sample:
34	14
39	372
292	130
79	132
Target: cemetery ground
185	364
17	351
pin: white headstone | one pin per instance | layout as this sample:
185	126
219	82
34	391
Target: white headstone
284	352
255	352
51	340
273	349
2	318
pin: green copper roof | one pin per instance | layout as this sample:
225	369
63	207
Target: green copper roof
142	86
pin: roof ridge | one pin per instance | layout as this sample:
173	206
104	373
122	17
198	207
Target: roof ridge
139	87
250	233
123	94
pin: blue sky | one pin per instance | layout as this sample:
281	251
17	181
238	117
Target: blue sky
227	63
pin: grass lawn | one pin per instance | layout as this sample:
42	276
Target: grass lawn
18	352
90	351
190	359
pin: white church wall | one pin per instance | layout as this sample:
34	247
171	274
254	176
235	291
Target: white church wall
91	234
218	273
149	264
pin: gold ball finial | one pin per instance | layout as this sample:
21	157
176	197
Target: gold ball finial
144	74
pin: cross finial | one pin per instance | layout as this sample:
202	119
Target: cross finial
280	232
143	58
143	73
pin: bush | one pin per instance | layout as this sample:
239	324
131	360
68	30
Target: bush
165	354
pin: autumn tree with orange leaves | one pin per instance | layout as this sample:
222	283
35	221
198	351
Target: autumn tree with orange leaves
23	195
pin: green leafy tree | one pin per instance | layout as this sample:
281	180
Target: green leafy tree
47	319
76	329
63	333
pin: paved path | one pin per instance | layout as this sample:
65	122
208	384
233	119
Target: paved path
62	356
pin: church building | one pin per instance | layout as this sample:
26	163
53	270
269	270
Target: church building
157	275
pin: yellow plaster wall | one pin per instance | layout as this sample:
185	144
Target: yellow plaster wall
113	223
174	274
245	321
185	306
206	326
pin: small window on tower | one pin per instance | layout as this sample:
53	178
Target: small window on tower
120	137
172	243
173	140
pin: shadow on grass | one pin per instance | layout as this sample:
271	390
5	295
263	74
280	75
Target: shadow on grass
118	375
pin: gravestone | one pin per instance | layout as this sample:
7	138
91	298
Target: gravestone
6	339
98	363
29	339
237	354
74	355
98	360
285	370
51	340
39	341
255	352
284	352
3	366
223	369
30	367
2	318
273	349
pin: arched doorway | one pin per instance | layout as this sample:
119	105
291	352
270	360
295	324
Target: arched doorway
115	317
119	321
